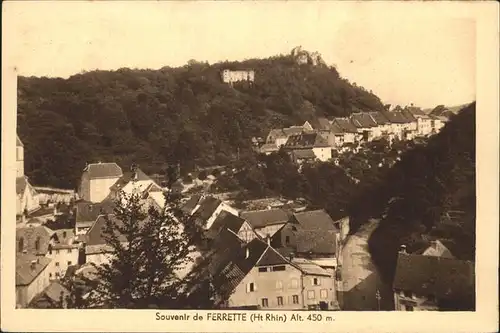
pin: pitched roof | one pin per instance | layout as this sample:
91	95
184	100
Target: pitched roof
435	248
345	124
429	275
88	211
64	236
262	218
336	129
363	120
304	154
128	176
309	267
271	257
306	140
396	117
276	133
225	220
207	208
379	118
30	235
103	170
269	147
315	220
408	115
19	143
21	183
191	204
320	123
293	130
316	241
54	291
95	234
26	272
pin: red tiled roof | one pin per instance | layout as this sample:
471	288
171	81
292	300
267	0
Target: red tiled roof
103	170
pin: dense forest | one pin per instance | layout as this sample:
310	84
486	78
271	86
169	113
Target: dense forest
171	115
429	193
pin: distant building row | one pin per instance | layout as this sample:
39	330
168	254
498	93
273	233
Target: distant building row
316	139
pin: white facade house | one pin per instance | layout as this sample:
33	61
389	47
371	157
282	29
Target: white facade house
32	277
97	180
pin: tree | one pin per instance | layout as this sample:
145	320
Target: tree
148	248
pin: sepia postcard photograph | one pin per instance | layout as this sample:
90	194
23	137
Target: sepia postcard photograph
273	166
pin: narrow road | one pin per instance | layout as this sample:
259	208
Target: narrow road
360	279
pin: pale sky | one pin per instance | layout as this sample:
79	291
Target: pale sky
404	53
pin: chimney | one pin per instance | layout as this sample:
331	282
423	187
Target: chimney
33	264
402	249
291	256
268	240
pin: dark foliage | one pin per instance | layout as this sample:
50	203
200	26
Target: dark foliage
429	193
185	115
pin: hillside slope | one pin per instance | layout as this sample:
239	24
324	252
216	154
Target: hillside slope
186	114
429	194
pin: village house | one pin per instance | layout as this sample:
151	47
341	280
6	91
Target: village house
205	209
435	248
437	123
97	251
27	200
97	179
365	125
133	181
268	148
383	125
310	141
235	224
424	122
53	297
33	240
232	76
32	277
266	222
64	252
301	156
87	213
255	275
350	132
428	282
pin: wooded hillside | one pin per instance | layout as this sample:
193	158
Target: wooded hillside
186	114
429	194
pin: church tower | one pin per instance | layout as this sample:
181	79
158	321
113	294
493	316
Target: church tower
19	157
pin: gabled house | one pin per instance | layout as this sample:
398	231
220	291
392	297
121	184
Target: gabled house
364	124
435	248
383	125
424	283
27	199
437	123
153	196
269	148
133	181
53	297
266	222
207	209
88	212
276	137
64	252
424	122
301	156
97	179
310	141
235	224
33	240
350	131
32	277
257	276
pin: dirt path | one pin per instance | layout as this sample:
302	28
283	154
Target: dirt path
360	279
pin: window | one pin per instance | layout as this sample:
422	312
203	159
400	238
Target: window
294	284
57	275
50	275
69	263
323	293
64	234
280	301
265	303
57	251
37	244
251	287
69	250
316	282
57	264
310	294
295	299
262	269
287	240
279	268
279	285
